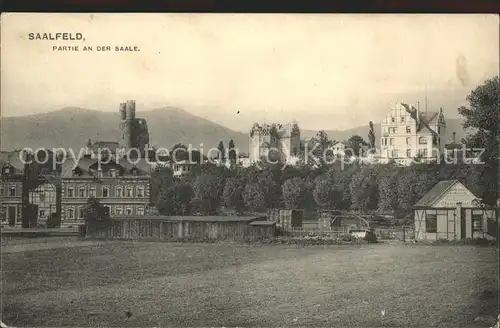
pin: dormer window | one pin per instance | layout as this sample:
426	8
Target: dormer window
99	173
112	173
7	170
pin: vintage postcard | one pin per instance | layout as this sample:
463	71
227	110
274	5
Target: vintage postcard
249	170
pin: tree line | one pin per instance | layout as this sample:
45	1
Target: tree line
384	188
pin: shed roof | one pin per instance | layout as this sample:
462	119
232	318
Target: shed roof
195	218
437	191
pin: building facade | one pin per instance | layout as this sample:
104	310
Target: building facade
11	189
282	139
338	148
408	133
44	197
450	211
121	187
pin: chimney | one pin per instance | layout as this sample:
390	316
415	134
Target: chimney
454	135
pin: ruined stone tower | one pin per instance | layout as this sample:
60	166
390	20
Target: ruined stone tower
134	130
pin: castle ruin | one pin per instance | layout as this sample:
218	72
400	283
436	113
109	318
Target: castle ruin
134	130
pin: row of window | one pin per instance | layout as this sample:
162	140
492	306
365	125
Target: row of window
394	153
393	119
431	223
11	191
78	211
120	191
421	140
84	193
393	129
408	128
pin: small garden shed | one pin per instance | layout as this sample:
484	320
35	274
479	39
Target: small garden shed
451	211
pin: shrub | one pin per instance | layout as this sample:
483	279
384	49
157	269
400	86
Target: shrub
82	231
370	237
54	221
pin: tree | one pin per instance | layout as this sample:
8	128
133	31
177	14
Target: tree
254	197
388	189
483	115
263	190
95	214
364	189
325	195
161	179
222	152
232	153
354	145
371	136
208	188
293	192
233	194
484	108
320	144
175	199
179	152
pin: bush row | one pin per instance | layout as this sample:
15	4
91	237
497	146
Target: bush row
467	241
318	240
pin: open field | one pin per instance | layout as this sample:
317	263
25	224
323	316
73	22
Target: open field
127	284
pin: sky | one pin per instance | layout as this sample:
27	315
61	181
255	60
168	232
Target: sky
325	71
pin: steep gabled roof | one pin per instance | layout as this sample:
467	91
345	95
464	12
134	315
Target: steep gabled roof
439	190
424	119
429	117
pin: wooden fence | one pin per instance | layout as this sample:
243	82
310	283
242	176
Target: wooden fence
153	229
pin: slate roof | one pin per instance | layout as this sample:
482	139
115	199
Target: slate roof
111	145
86	164
437	191
142	166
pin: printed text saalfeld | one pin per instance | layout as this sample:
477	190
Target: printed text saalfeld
56	36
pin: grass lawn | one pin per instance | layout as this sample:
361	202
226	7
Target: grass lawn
127	284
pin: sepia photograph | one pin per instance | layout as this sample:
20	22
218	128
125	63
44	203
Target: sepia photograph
249	170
